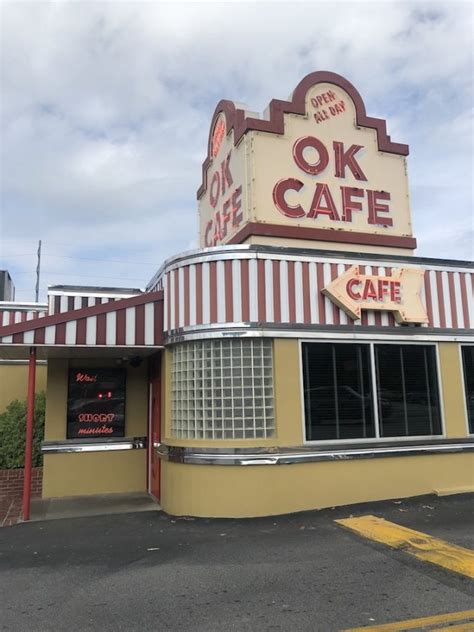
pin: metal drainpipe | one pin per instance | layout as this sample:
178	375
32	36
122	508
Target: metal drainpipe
30	414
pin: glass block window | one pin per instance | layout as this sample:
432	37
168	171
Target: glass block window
223	389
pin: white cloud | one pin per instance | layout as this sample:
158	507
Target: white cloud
106	110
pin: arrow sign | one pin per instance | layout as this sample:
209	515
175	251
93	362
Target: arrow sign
399	293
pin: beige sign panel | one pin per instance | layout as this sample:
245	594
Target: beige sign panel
399	293
327	172
223	208
316	167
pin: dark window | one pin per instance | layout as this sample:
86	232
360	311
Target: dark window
407	390
468	367
96	403
337	391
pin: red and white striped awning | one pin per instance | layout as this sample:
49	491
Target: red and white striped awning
12	312
130	322
230	286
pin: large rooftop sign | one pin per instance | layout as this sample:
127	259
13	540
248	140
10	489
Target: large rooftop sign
315	167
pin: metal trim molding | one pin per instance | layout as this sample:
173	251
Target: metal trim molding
93	445
297	330
290	456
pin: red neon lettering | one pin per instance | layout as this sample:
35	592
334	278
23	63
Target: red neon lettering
215	189
348	204
375	208
369	291
96	417
226	176
225	217
322	191
207	234
345	159
325	97
383	288
237	206
395	294
217	228
321	115
350	288
219	132
101	430
298	151
85	377
282	205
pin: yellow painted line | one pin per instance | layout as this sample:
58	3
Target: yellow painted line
420	545
462	627
467	616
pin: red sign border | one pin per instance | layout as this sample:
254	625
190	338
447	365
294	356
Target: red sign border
240	124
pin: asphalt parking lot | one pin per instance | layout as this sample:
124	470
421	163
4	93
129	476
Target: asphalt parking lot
149	571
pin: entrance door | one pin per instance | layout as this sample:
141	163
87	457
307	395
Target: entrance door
154	424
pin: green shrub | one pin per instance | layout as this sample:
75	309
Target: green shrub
12	433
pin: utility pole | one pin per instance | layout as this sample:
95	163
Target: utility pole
38	272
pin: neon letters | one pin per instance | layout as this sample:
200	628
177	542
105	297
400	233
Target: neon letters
340	206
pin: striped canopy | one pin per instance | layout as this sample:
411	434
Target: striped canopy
135	322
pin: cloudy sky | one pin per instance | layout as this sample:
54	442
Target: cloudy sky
106	110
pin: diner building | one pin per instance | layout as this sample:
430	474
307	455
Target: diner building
303	357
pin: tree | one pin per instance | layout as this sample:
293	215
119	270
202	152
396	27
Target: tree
12	433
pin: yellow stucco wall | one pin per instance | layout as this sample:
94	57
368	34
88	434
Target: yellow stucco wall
238	491
14	382
232	491
452	390
94	473
99	472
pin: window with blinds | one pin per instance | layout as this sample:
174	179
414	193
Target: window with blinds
407	379
338	391
366	391
468	368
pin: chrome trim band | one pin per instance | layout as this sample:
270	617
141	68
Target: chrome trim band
293	330
93	445
27	306
289	456
22	362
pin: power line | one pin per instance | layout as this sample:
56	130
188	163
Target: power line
141	263
18	239
83	276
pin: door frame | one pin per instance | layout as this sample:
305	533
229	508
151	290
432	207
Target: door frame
154	381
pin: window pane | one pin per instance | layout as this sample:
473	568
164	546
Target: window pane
407	388
468	367
214	390
337	391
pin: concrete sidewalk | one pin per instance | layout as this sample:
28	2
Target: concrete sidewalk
97	505
10	511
